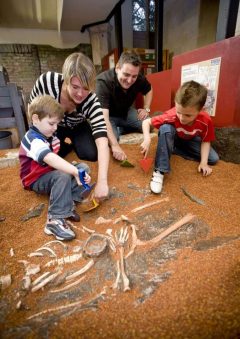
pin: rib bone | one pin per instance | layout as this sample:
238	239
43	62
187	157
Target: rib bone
45	281
149	204
82	270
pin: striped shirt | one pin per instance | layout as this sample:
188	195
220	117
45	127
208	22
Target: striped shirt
89	109
202	125
34	147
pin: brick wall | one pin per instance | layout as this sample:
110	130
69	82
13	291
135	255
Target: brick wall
24	63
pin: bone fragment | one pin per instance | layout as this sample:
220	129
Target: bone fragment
32	269
124	276
187	218
64	260
48	250
68	286
111	244
11	252
77	249
57	242
44	275
149	205
49	310
109	232
115	284
35	254
88	229
134	241
102	220
5	281
121	218
45	281
81	271
26	282
19	304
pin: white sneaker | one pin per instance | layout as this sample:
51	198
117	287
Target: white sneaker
156	182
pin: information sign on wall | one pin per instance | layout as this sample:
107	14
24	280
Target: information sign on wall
206	73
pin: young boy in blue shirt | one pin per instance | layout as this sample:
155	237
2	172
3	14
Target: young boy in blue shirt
185	130
44	172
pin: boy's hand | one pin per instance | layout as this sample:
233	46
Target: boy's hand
145	146
87	178
205	169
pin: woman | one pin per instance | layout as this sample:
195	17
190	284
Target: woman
83	121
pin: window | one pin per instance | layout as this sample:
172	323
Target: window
143	15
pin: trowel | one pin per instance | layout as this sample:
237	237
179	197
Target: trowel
126	163
146	164
87	188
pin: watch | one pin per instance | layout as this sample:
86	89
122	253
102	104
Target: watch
147	109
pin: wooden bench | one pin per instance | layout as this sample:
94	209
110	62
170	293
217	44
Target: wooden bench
12	107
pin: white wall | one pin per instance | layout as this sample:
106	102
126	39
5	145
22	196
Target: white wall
180	25
237	32
66	39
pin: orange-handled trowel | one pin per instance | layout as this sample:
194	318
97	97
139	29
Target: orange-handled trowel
91	203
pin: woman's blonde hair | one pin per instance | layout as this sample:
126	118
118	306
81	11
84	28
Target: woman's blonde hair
45	106
80	66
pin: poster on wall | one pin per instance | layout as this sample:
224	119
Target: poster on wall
206	73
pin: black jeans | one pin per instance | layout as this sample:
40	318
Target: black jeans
82	140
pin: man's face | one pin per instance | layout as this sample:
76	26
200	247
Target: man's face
186	115
76	91
127	75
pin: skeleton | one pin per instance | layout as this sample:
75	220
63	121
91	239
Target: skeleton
116	244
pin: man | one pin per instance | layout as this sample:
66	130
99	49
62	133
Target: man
117	90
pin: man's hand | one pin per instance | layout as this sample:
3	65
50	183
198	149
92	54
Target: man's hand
142	114
118	153
101	191
205	169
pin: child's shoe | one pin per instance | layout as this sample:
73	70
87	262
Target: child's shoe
74	217
60	228
156	182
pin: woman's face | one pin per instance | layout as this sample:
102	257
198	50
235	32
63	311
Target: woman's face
76	91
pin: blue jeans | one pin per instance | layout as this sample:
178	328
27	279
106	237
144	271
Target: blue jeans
122	126
62	189
169	143
82	140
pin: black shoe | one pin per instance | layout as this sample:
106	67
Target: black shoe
74	217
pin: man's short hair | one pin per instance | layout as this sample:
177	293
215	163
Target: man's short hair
129	57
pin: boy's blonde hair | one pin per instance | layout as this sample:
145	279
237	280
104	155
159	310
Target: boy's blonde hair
80	66
45	106
191	94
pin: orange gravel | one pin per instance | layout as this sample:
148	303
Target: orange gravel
199	299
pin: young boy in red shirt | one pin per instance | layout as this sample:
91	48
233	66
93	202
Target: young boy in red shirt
184	130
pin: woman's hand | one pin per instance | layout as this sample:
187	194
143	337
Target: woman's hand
101	191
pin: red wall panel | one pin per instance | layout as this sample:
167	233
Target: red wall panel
228	98
161	84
